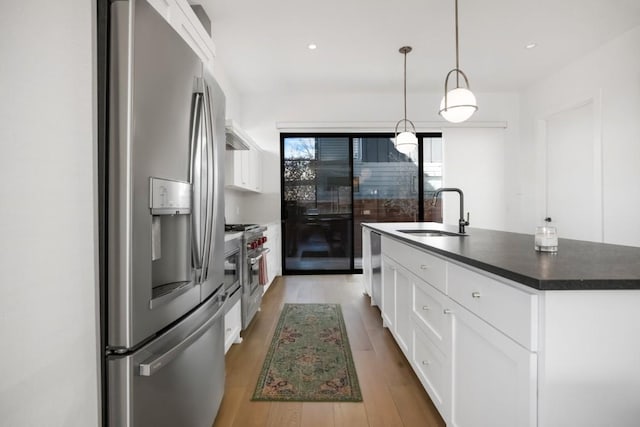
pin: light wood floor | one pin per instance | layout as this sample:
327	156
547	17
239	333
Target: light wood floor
392	394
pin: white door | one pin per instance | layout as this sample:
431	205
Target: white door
573	172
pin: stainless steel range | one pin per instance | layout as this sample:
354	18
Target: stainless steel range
252	251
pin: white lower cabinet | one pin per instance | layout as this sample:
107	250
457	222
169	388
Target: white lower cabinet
433	369
431	334
493	377
274	256
397	285
388	307
491	352
403	325
476	374
232	326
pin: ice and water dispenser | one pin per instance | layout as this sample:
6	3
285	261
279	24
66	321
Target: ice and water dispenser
170	205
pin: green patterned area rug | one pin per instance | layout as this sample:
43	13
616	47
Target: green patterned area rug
309	358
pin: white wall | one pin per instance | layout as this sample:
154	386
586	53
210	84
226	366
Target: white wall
474	161
48	267
610	74
262	112
233	201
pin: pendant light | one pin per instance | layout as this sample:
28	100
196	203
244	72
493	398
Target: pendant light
460	103
405	141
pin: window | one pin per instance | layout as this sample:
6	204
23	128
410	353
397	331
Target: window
379	150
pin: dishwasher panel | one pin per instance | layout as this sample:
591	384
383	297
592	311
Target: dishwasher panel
376	269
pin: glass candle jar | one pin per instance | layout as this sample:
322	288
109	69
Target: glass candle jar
546	239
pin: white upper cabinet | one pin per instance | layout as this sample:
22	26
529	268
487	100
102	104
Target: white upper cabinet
243	160
244	170
182	18
255	170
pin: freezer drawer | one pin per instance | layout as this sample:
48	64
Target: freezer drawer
175	380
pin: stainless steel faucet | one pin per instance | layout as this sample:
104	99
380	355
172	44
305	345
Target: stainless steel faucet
461	221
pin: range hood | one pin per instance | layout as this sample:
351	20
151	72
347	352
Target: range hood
236	138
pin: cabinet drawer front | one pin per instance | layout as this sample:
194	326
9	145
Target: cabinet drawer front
429	268
510	310
428	309
431	366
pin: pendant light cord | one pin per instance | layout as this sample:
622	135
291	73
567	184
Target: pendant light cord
405	91
464	103
457	54
404	50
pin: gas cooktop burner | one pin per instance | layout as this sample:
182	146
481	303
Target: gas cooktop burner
239	227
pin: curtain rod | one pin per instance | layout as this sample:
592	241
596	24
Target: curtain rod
380	126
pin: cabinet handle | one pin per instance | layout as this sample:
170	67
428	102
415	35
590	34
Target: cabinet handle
424	267
446	311
475	294
426	362
426	308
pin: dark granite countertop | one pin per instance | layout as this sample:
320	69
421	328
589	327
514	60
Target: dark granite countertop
578	265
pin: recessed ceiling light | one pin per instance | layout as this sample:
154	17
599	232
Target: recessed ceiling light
530	46
312	46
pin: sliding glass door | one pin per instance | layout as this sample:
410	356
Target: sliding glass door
331	184
387	185
317	204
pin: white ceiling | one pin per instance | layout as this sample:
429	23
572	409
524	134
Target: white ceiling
263	44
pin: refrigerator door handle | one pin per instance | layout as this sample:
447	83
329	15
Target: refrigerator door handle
153	365
208	149
216	177
194	177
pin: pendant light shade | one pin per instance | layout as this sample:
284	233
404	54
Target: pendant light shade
459	103
405	141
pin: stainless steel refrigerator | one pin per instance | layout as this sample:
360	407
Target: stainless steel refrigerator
164	299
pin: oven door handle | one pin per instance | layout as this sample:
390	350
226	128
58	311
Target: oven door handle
256	259
232	253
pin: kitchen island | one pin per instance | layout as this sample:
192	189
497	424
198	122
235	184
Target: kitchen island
502	335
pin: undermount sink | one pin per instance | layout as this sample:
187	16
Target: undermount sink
432	233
